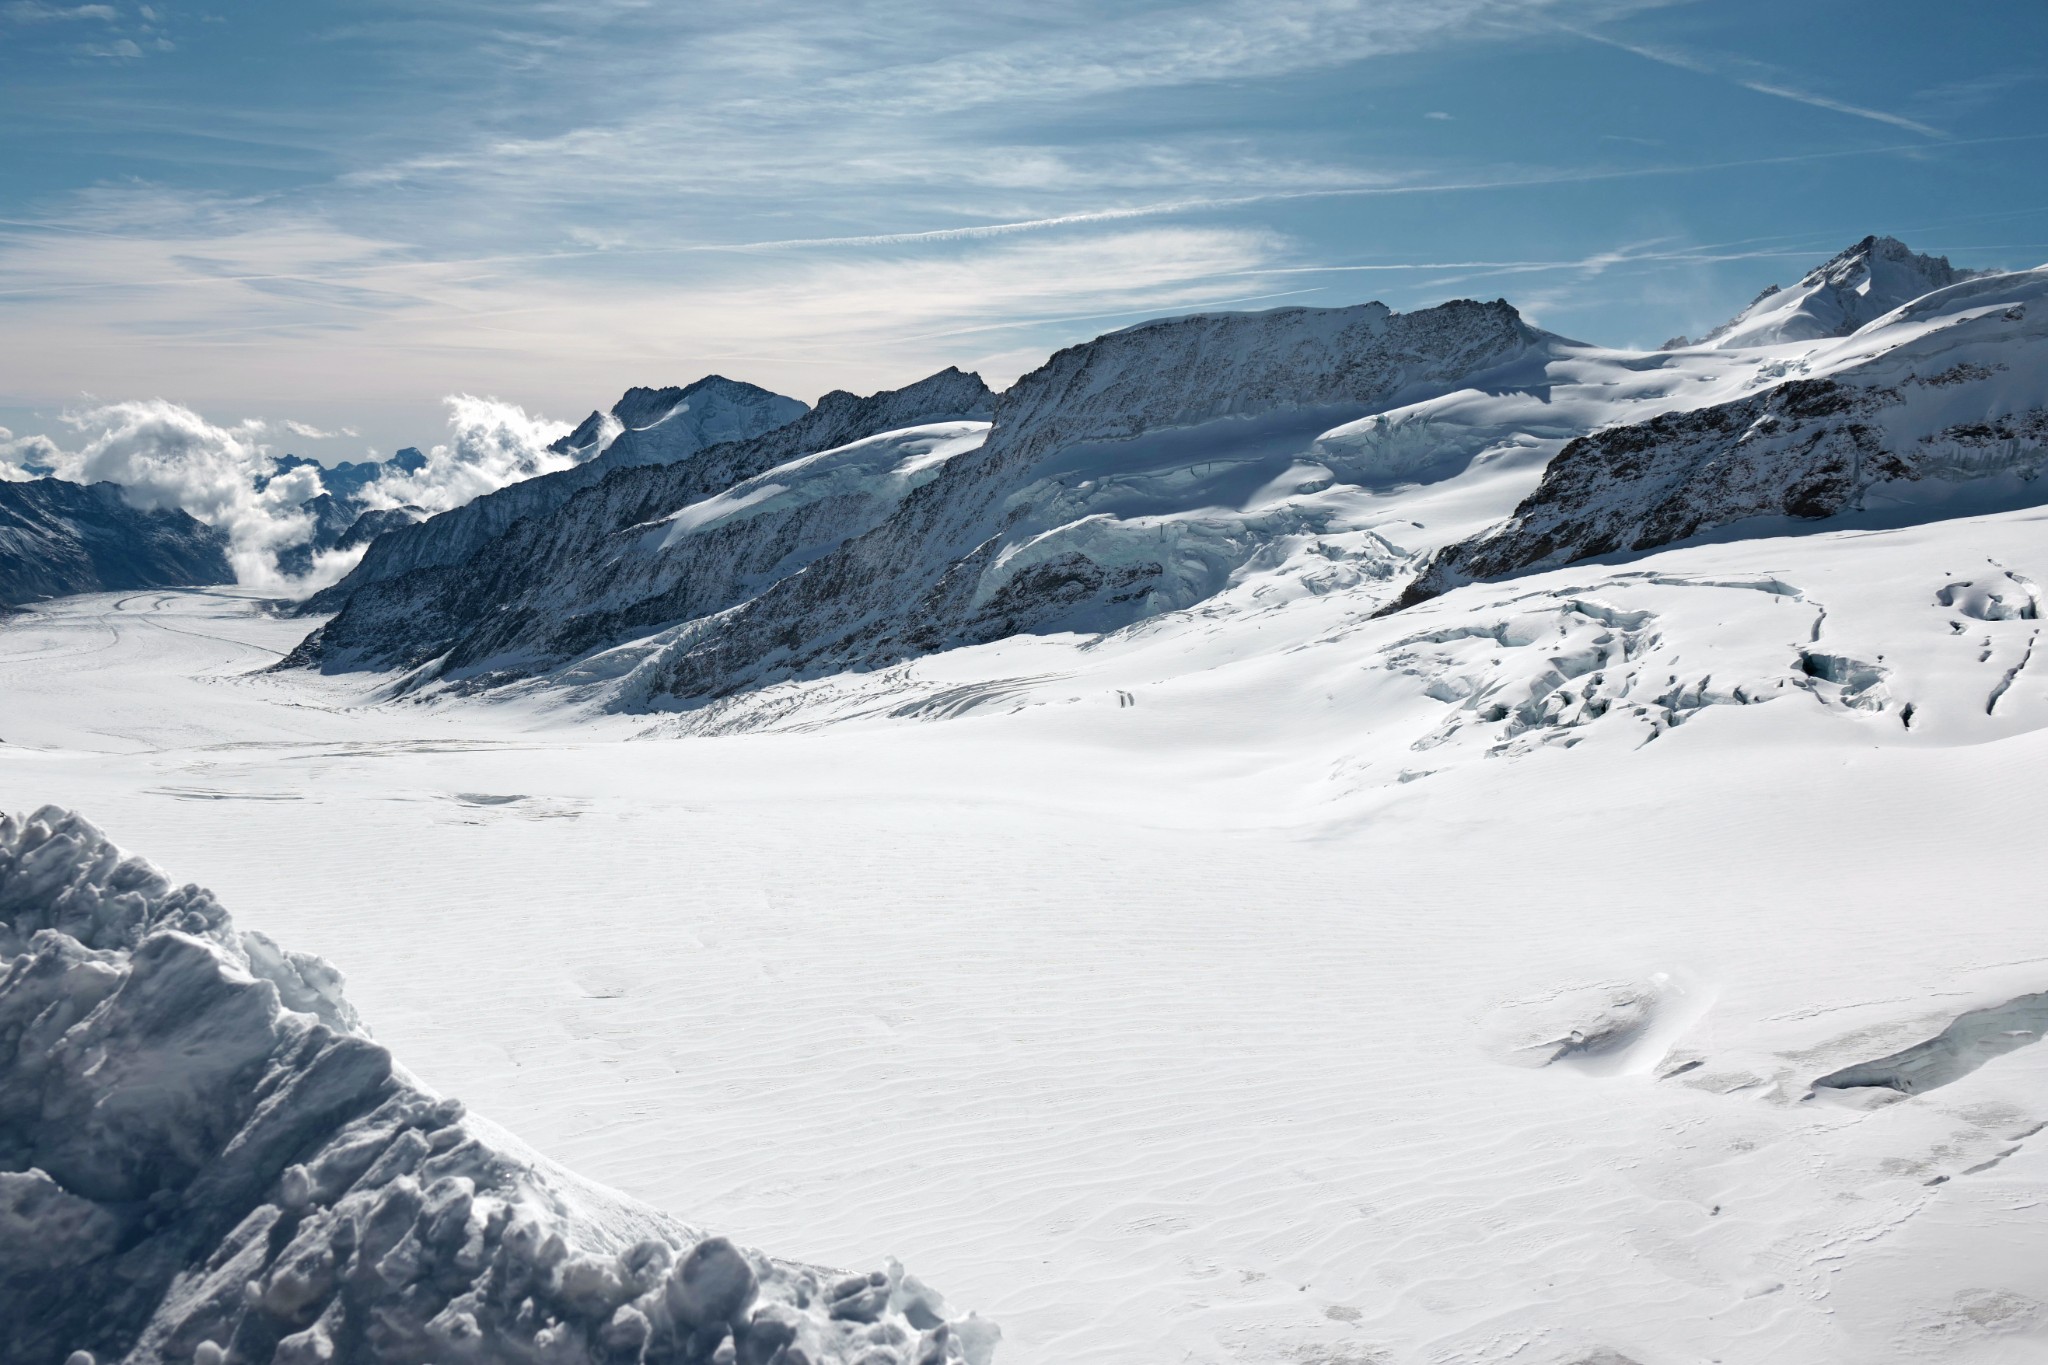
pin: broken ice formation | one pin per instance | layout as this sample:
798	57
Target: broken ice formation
1971	1040
204	1158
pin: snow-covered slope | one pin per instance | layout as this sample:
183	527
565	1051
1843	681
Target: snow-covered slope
1195	965
1127	476
58	538
661	426
589	575
645	427
1934	409
204	1158
1172	463
1206	992
1855	288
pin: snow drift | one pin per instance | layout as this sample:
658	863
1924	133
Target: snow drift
204	1157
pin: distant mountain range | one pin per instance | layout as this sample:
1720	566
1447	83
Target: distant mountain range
59	538
1151	469
716	537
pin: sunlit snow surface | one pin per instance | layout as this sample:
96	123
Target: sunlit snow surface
1266	983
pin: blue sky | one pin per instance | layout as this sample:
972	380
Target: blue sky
336	215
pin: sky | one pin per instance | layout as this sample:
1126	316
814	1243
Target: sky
312	225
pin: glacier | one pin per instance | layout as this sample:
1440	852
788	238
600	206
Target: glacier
1317	837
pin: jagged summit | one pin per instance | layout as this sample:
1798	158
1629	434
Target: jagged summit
660	425
645	427
1851	290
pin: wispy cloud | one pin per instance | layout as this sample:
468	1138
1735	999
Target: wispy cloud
36	12
1762	85
307	431
241	287
550	200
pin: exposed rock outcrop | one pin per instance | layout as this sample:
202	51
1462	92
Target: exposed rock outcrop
59	538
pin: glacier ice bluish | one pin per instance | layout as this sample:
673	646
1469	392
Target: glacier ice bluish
203	1157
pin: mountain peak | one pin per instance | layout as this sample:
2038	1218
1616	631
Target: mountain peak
1850	290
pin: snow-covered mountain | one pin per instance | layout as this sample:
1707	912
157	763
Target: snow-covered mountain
1095	889
1855	288
204	1157
1173	463
661	426
562	580
1087	507
645	427
58	538
1935	409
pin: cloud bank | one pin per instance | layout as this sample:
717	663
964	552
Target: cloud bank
164	454
491	444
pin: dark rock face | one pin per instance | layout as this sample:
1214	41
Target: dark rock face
202	1157
1806	449
59	538
654	427
559	582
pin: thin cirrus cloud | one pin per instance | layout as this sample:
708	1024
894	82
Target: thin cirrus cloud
252	285
36	12
1772	85
549	202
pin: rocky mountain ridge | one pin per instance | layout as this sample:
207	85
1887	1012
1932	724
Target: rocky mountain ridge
646	427
518	580
1949	411
1850	290
1042	525
58	538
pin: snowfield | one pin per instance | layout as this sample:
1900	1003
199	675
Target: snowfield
1320	837
1262	984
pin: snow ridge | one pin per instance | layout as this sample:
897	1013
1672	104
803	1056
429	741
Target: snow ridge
555	585
1849	291
203	1157
661	426
1046	527
1074	514
646	427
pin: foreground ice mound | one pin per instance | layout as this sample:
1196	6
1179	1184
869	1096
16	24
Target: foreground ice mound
204	1158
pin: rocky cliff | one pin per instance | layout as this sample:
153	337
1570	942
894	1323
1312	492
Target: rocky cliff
59	538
